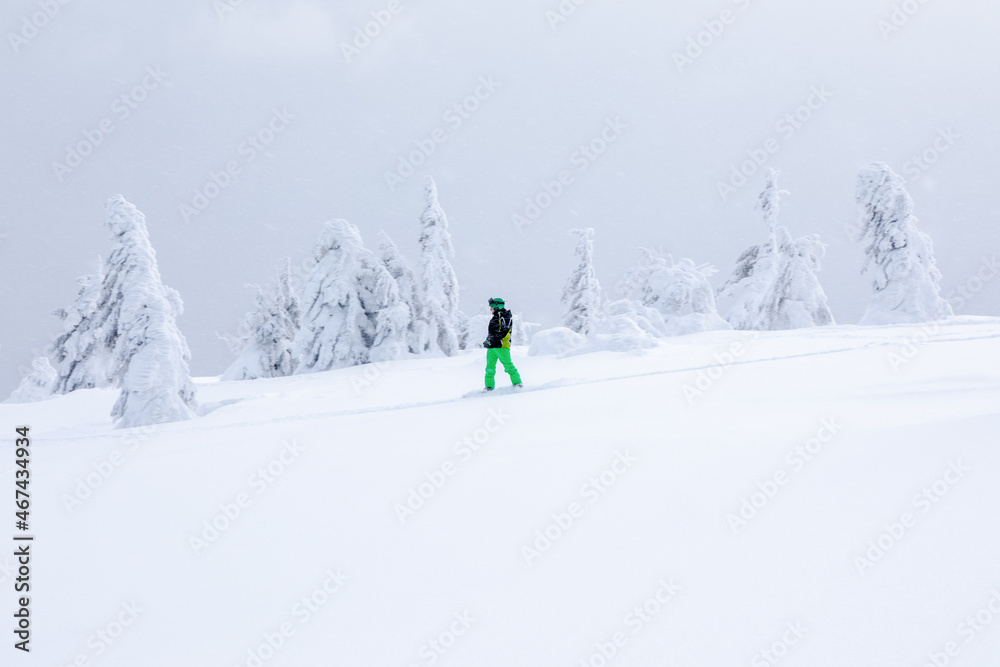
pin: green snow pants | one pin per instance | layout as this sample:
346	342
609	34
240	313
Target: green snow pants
501	354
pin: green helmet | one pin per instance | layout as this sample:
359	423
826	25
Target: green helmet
496	302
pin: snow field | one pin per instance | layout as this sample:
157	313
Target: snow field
267	531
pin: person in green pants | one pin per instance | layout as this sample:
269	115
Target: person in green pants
497	345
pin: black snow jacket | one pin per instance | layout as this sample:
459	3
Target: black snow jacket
499	333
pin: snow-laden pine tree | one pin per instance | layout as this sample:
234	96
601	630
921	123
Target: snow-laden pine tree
582	293
36	385
774	285
286	297
680	291
352	311
445	326
81	353
463	327
136	314
270	330
901	257
409	290
520	333
800	300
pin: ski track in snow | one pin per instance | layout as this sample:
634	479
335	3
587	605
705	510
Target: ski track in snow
558	384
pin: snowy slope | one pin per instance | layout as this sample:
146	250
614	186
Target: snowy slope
641	472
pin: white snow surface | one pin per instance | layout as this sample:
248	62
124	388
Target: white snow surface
609	441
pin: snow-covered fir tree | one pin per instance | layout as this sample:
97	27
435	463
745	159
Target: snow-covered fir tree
801	301
900	256
136	314
774	285
352	311
680	291
582	293
36	385
463	327
446	328
409	290
82	353
479	326
520	331
286	297
270	330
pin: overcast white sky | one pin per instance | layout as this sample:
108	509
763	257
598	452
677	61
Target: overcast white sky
344	124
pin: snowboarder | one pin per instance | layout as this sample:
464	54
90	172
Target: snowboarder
497	345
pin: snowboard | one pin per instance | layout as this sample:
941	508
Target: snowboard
498	390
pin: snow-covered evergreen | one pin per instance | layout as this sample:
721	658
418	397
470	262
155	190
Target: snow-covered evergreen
520	331
409	291
446	328
463	327
900	256
36	385
680	291
270	331
286	296
82	353
801	300
479	326
352	311
582	293
774	285
135	313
